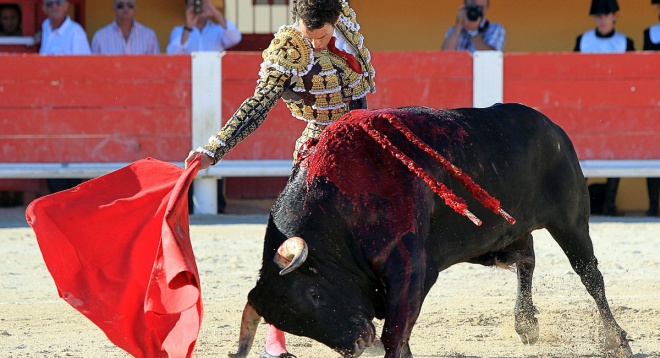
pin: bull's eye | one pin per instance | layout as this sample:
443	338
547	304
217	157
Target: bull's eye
313	296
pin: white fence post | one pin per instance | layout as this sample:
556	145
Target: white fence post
206	113
488	78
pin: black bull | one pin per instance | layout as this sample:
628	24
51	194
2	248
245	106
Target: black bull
361	232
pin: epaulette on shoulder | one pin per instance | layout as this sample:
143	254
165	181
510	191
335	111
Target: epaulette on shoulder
347	11
289	52
348	18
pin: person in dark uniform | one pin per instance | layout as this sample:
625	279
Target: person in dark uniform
652	34
605	39
652	43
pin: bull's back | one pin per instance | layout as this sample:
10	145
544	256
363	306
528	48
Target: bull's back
521	158
524	157
512	151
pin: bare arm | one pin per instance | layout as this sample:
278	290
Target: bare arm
480	44
215	14
191	21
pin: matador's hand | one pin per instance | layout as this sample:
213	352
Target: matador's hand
205	163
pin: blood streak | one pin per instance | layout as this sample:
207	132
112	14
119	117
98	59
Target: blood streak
477	191
458	204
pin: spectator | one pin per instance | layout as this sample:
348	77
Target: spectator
201	34
652	34
473	31
321	69
605	39
59	34
125	36
10	20
652	43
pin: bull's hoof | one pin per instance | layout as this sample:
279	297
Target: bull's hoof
621	352
619	348
239	354
528	330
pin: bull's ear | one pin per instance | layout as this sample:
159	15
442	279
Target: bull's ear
291	254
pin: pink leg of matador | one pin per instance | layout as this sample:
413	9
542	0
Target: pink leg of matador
275	341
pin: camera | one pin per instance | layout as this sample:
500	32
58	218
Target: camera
197	5
473	12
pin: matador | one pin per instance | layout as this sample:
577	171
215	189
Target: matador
318	86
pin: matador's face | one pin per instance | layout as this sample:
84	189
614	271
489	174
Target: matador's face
319	37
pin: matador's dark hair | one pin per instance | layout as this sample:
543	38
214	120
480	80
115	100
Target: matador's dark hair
316	13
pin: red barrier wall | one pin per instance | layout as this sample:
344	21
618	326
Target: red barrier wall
424	78
608	104
94	108
118	109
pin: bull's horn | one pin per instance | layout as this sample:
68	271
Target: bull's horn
249	323
291	254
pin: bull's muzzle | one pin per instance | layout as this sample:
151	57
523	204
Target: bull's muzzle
291	254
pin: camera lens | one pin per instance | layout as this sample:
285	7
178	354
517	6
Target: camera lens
473	13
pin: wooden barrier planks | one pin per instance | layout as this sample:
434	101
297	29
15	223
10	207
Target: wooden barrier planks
124	108
94	108
422	78
609	104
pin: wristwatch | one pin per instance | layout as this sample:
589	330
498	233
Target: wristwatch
473	33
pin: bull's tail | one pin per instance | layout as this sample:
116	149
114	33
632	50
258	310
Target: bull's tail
452	200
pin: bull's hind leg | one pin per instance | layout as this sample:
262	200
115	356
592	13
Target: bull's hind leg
527	325
576	244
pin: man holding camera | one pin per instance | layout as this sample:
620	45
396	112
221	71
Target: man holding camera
473	32
206	29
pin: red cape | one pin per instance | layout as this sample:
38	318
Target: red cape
118	248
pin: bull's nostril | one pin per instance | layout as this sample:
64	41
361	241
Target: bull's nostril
360	344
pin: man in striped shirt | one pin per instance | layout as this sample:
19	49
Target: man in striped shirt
125	36
473	31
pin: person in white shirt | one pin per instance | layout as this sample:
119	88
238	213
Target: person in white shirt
59	34
125	36
206	31
201	34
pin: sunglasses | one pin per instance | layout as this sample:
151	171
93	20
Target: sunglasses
130	5
53	3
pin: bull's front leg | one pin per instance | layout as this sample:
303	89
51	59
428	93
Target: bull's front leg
404	277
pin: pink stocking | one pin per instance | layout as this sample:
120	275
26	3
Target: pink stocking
275	341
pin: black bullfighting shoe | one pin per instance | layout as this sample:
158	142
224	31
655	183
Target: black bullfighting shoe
265	354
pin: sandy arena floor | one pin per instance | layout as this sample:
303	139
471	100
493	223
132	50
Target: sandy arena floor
468	312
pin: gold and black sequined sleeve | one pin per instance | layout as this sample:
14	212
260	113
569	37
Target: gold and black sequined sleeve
250	115
289	54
